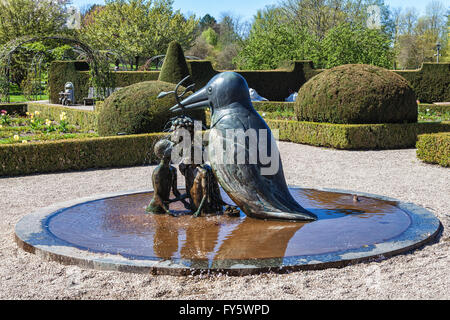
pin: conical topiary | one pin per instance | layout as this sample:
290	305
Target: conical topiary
174	68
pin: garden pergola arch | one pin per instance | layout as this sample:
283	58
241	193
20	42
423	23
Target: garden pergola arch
159	60
13	46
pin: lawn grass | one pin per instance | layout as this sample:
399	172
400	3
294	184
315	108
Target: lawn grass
21	98
426	113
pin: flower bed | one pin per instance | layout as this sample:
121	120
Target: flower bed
34	128
434	112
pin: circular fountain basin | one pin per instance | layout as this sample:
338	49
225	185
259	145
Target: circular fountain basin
113	232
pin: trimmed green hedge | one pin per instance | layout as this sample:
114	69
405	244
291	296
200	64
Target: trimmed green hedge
134	150
61	72
434	148
87	120
18	108
431	82
273	106
274	85
77	72
126	78
56	156
271	84
354	136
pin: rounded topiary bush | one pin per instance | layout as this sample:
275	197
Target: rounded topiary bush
135	109
356	93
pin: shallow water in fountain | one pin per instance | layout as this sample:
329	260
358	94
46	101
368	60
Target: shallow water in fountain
120	225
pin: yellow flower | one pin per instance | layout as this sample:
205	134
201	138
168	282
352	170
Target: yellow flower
24	141
62	116
27	113
37	113
16	137
1	126
48	122
31	116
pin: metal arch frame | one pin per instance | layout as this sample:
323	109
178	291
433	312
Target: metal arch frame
113	53
11	47
36	64
160	60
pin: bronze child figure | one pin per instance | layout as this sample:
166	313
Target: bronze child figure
164	180
202	188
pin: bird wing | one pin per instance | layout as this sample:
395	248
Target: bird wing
245	183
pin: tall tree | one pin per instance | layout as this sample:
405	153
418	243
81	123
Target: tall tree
272	40
319	16
351	43
419	35
207	21
31	18
138	28
275	38
408	20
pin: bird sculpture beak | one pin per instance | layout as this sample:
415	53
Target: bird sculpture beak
194	101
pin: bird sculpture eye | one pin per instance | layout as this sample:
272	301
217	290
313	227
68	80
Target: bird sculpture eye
210	90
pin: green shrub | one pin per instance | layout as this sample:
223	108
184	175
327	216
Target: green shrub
273	106
274	85
431	83
87	120
133	150
61	72
356	94
278	115
11	108
174	68
201	71
271	84
55	156
210	36
127	78
135	109
354	136
434	148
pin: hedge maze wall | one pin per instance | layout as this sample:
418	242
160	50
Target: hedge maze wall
431	83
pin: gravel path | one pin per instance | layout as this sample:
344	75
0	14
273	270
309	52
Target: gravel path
422	274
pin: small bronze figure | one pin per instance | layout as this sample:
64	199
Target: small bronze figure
204	191
164	180
202	188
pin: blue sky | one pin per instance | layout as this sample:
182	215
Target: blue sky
247	8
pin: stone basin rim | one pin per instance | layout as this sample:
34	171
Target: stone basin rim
30	224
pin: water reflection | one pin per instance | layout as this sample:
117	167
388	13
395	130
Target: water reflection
121	226
165	240
256	239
